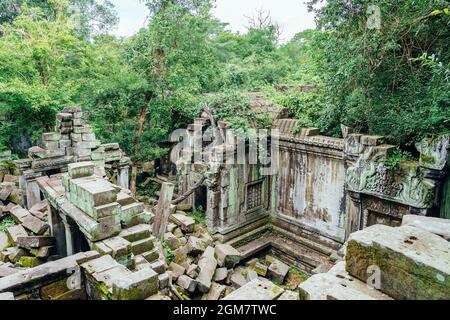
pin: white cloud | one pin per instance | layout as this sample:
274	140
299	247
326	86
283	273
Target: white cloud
291	14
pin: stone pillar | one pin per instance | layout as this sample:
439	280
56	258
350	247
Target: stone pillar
123	178
163	210
57	230
32	188
354	213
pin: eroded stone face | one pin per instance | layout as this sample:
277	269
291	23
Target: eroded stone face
413	263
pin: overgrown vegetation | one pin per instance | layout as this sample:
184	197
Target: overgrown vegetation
391	79
5	223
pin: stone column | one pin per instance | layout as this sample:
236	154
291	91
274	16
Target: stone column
70	231
163	210
123	178
57	230
32	188
354	213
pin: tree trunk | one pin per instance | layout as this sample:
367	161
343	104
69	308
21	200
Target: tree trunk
137	144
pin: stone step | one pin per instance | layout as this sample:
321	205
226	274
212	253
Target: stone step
440	227
413	263
136	233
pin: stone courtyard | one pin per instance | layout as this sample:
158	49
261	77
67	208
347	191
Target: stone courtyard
334	223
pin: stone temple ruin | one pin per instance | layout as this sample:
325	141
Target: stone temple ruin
334	214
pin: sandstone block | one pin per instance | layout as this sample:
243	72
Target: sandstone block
137	286
227	256
414	263
256	290
278	271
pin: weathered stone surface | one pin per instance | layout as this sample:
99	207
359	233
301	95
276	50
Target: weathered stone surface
6	296
187	283
184	222
24	279
251	275
256	290
99	265
261	269
7	270
441	227
34	242
414	263
172	242
221	274
121	249
238	279
207	265
139	232
35	225
151	256
163	280
196	246
215	293
163	210
278	271
177	270
158	266
4	242
81	169
339	284
141	246
19	213
14	232
227	256
289	295
137	286
193	271
43	252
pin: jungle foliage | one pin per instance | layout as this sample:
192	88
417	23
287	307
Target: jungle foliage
391	79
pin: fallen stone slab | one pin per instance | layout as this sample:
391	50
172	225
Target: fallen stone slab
6	296
256	290
137	286
184	222
43	252
35	242
227	256
35	225
207	266
414	263
177	270
289	295
26	280
15	232
193	271
196	245
187	283
278	271
261	269
7	270
438	226
340	284
221	274
238	279
18	213
4	242
215	293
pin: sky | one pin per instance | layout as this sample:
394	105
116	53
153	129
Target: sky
292	15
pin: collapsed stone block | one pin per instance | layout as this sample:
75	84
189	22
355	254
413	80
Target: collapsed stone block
256	290
227	256
136	286
413	263
278	271
438	226
184	222
207	266
187	283
81	170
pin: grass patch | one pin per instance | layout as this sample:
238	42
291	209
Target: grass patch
199	216
6	223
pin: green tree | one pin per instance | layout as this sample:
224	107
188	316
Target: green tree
40	62
379	78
